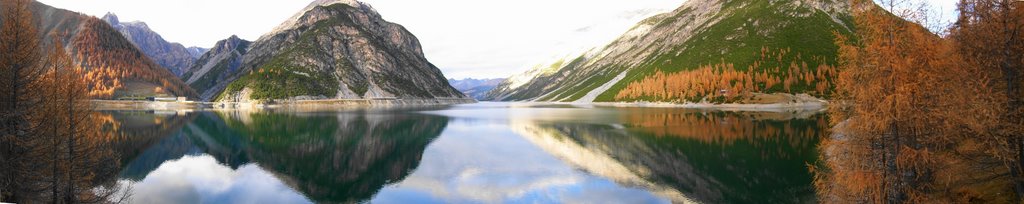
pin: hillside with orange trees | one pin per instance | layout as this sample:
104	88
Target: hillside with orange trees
114	68
723	82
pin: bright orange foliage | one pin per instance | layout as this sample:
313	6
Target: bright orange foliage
110	61
725	81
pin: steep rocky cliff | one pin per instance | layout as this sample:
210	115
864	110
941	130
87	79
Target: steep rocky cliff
336	49
216	65
173	56
700	32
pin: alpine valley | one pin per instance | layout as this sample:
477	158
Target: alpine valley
325	101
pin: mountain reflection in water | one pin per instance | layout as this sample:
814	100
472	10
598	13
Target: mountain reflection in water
490	152
328	157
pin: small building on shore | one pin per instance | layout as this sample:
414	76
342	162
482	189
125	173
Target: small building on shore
167	99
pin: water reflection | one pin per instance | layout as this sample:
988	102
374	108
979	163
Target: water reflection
486	153
202	179
488	163
716	157
344	157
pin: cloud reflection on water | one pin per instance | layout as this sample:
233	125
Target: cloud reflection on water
488	163
200	179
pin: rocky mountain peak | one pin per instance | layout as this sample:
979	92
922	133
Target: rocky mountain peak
226	45
111	18
335	49
197	52
173	56
293	22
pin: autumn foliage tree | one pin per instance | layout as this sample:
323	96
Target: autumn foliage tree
111	62
910	117
724	82
51	150
20	67
990	36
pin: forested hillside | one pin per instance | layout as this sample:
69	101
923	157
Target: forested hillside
114	67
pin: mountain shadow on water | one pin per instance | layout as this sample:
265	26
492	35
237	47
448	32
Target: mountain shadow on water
328	157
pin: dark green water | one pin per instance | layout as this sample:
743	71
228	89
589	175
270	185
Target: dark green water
478	153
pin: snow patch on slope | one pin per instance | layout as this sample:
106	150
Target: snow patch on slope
592	95
207	67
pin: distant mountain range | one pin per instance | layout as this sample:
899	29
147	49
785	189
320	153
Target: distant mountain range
172	56
743	46
475	88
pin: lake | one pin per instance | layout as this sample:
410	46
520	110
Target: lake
474	153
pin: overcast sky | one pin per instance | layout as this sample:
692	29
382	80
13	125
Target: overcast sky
465	38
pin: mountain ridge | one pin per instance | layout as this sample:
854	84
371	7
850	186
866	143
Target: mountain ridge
173	56
475	88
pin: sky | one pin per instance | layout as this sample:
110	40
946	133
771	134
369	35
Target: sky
464	38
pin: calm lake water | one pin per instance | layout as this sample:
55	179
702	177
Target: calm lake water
476	153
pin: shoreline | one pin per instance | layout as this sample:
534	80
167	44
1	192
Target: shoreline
769	107
299	104
777	103
800	103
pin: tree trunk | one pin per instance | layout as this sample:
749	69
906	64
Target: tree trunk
56	173
892	180
1011	68
1015	169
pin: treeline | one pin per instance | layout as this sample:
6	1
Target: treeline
50	148
110	62
926	118
723	82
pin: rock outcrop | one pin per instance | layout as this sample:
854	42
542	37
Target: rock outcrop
216	65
